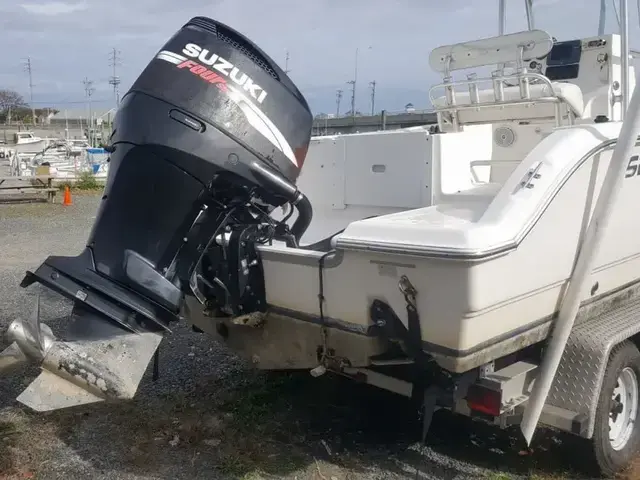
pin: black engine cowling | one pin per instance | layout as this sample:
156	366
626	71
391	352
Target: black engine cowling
207	142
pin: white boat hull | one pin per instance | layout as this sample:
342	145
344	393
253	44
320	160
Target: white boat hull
485	289
30	147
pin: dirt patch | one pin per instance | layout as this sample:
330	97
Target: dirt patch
632	473
250	425
283	426
18	458
34	211
8	432
242	431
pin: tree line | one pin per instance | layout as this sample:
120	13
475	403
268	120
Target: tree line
14	109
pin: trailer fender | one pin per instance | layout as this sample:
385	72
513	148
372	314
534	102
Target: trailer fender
578	381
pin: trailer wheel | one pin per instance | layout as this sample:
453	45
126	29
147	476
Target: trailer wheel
616	438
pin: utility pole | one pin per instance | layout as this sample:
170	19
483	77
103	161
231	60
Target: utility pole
115	80
353	97
354	83
338	99
66	126
27	67
372	85
88	90
286	63
602	22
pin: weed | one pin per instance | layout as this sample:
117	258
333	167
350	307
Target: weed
86	181
499	476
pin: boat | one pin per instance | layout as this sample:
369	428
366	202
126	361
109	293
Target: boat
77	147
28	142
66	161
489	269
475	231
25	138
539	152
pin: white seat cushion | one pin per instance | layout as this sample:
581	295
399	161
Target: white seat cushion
568	92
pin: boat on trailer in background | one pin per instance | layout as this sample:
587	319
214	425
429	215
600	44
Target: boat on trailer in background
490	269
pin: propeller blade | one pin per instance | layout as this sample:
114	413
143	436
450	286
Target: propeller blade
31	338
98	360
32	330
11	357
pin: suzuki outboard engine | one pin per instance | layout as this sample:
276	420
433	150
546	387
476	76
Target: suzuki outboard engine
208	141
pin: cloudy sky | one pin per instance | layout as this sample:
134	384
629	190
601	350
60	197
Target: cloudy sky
68	40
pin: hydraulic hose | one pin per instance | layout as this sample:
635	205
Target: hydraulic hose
281	187
305	215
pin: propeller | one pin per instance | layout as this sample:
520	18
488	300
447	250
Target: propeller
98	361
30	341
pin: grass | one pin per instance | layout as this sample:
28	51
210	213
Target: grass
7	431
499	476
534	475
86	182
537	476
244	431
13	428
254	435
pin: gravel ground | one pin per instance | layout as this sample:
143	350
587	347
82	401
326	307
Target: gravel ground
209	416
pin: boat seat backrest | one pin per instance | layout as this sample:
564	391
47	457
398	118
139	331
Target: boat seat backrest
531	44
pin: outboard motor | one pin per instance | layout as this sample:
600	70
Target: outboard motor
208	141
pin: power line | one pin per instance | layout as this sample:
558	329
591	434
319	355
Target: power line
72	102
114	80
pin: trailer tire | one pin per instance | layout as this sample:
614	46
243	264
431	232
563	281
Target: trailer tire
616	437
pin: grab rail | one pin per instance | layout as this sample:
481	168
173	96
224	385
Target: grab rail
499	95
497	80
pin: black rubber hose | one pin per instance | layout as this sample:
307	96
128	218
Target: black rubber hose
305	215
276	183
285	189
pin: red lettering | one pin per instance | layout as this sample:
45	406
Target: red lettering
198	69
216	79
205	74
210	76
187	63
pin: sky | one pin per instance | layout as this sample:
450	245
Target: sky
70	40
